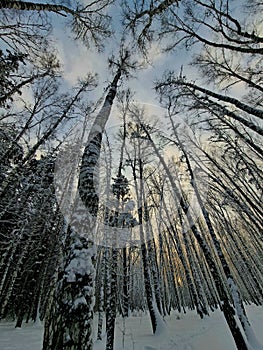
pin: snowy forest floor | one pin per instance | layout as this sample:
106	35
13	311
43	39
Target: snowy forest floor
186	332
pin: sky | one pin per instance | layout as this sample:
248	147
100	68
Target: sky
79	60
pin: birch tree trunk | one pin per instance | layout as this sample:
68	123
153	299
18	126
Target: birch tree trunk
228	310
69	324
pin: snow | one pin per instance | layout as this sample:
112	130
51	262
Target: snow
79	301
161	326
29	337
252	339
183	332
80	264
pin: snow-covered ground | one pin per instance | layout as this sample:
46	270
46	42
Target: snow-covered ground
187	333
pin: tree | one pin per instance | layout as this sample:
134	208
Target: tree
50	267
137	166
75	287
227	309
89	22
192	23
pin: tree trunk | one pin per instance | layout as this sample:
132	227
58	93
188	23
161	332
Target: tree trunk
226	307
69	324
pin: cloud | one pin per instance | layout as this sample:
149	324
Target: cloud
77	60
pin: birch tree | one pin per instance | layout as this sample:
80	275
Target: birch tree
89	22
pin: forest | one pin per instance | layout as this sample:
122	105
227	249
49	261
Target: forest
131	165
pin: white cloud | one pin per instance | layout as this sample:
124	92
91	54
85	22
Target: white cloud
77	60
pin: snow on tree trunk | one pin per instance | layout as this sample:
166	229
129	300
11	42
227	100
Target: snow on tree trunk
241	313
160	324
69	323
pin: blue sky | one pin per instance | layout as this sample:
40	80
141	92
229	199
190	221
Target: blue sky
79	60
